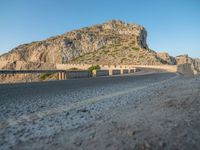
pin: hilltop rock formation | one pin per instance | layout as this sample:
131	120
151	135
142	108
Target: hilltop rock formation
65	47
113	42
108	40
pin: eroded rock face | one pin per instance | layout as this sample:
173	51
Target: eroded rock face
23	65
166	58
182	59
65	47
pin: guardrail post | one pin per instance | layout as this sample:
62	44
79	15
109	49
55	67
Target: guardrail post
94	73
63	76
129	71
60	76
121	71
110	72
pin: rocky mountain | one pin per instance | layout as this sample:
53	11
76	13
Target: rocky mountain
113	42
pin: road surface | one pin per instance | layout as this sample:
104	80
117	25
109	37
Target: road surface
58	114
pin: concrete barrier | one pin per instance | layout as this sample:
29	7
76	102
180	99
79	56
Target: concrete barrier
76	74
64	74
121	71
133	70
168	68
99	73
185	69
125	71
116	72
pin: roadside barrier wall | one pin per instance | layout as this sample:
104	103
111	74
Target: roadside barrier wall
73	74
99	73
116	72
185	69
125	71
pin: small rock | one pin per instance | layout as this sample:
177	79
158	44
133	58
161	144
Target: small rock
147	145
162	144
67	114
78	143
82	110
131	132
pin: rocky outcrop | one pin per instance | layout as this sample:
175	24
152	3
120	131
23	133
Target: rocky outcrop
182	59
23	65
65	47
166	58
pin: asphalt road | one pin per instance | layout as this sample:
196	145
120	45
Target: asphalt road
32	111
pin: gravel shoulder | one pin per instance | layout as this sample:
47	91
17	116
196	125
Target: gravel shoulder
155	115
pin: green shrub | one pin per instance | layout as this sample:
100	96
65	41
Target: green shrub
135	48
90	69
123	60
130	55
103	47
125	47
47	76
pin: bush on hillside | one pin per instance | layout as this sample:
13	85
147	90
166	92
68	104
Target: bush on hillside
73	69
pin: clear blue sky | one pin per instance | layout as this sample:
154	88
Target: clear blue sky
172	25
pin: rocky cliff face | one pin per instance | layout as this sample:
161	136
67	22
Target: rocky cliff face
166	58
65	47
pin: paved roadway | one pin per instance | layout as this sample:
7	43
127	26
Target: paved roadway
31	111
